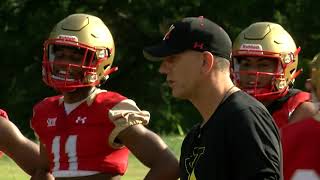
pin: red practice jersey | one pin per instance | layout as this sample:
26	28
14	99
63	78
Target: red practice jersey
282	113
4	115
84	139
301	150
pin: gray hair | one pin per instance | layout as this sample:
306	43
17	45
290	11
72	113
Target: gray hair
222	64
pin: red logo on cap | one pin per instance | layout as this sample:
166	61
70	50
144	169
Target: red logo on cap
198	45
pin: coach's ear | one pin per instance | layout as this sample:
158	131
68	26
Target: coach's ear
207	62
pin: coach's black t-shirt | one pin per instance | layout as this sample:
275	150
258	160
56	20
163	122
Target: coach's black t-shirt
239	142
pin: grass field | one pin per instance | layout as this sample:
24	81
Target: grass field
136	171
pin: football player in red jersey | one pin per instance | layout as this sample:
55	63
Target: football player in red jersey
300	140
86	132
23	151
264	64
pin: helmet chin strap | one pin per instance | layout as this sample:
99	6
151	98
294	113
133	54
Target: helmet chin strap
111	70
106	75
296	74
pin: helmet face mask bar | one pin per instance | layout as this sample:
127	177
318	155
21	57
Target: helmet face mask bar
265	41
79	53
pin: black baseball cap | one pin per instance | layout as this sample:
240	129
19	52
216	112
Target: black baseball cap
191	33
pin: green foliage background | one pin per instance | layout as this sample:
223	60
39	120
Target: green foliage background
25	24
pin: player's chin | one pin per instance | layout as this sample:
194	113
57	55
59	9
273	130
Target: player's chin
174	93
178	94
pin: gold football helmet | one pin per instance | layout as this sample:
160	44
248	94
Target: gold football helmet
266	40
89	47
